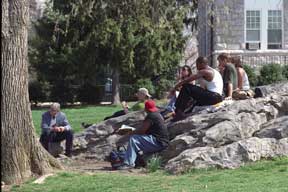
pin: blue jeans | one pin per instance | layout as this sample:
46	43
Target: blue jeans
171	105
144	143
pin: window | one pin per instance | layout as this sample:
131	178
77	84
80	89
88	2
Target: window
253	26
274	29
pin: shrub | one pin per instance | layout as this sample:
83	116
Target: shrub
154	163
38	91
270	73
285	71
253	78
163	86
90	94
147	83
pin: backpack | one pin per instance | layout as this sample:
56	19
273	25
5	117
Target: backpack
116	157
261	91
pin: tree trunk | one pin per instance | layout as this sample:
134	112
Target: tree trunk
22	155
115	86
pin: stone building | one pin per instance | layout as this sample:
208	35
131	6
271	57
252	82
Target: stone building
256	30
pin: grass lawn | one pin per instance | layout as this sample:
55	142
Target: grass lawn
77	115
264	176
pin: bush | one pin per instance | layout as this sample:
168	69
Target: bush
147	83
162	87
63	92
285	71
90	94
253	78
154	163
38	91
270	73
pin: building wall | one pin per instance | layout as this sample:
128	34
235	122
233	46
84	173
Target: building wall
204	30
229	24
285	15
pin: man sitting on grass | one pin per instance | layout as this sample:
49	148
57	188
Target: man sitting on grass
150	138
56	128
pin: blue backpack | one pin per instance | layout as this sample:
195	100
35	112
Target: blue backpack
116	157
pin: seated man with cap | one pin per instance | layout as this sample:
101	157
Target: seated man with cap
150	138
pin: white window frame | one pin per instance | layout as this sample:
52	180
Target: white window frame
282	31
264	6
260	27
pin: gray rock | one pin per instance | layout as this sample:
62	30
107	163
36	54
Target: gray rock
229	156
277	128
55	148
99	139
222	139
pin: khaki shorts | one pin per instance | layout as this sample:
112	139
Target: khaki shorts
243	94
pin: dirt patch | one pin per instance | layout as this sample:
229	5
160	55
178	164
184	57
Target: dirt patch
84	165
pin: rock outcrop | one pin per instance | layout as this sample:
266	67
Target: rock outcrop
246	130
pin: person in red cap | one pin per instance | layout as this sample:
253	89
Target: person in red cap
151	137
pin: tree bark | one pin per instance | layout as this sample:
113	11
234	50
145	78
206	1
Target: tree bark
22	154
115	86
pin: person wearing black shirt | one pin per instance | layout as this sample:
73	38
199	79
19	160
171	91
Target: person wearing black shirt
150	138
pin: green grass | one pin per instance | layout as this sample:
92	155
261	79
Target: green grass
77	115
264	176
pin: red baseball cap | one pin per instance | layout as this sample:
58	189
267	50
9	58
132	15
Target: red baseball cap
150	106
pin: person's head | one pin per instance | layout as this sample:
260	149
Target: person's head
185	71
237	61
223	59
201	63
150	106
143	94
54	109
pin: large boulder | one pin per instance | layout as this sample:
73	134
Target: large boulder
229	156
277	128
220	133
99	139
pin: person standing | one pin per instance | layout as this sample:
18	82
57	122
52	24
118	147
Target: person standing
56	128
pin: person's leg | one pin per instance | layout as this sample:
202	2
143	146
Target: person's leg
198	94
68	137
116	114
145	143
44	140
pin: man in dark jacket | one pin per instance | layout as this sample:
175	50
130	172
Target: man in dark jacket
56	128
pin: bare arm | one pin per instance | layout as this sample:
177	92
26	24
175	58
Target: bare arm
240	78
229	89
145	126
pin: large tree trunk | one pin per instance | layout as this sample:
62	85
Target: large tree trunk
115	86
22	155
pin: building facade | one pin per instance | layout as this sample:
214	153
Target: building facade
256	30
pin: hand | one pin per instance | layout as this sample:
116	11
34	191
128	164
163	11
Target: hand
55	128
228	98
61	129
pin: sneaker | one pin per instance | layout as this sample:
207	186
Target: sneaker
68	154
124	167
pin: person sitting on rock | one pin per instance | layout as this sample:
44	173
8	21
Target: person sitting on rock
56	128
208	93
169	110
150	138
243	90
229	75
142	95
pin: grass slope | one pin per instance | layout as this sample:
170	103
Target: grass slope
264	176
